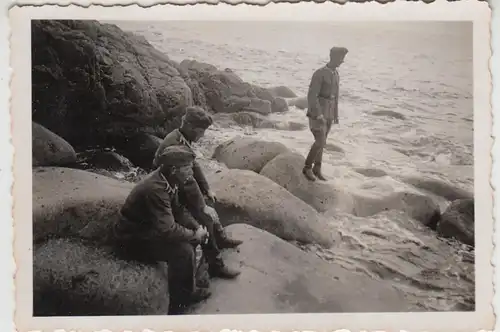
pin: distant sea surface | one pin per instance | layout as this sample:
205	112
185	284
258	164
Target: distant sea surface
421	71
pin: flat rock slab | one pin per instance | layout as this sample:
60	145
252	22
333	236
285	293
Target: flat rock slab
278	277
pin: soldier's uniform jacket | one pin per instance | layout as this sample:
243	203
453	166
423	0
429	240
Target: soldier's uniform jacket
176	138
154	211
323	94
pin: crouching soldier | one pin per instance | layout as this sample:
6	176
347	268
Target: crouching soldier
194	124
153	226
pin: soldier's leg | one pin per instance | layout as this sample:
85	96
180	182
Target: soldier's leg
181	261
328	128
222	239
318	131
319	157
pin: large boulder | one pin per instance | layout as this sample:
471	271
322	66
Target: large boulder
299	102
278	104
282	91
248	153
286	170
278	277
385	193
74	279
246	197
458	221
49	149
438	187
93	82
71	202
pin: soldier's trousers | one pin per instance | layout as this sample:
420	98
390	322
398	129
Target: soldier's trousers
179	256
210	249
181	260
320	130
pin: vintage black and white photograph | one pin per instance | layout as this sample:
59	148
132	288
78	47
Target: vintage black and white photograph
218	166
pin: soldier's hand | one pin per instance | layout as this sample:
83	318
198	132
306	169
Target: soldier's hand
211	196
201	234
211	212
321	118
336	120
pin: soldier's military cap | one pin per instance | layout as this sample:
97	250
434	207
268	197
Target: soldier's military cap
197	117
338	52
176	155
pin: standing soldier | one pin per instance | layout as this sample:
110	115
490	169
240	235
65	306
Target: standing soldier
152	226
323	98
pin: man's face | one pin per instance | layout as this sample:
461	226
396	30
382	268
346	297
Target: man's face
181	174
194	133
198	133
336	60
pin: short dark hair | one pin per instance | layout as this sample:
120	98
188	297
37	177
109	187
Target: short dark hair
197	117
338	52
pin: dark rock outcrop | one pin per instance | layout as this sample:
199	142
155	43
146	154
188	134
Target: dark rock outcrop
71	202
225	92
248	153
74	279
93	83
458	221
246	197
278	277
49	149
140	149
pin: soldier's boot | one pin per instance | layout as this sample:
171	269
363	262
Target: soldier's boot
200	294
218	269
307	171
317	172
223	241
179	306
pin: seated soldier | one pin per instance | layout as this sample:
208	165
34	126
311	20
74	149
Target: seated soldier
194	124
152	226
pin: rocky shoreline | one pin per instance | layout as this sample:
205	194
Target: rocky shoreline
102	101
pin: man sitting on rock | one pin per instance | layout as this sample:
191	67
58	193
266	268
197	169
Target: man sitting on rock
323	99
153	226
194	124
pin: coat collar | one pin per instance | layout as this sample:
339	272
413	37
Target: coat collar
168	187
183	139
